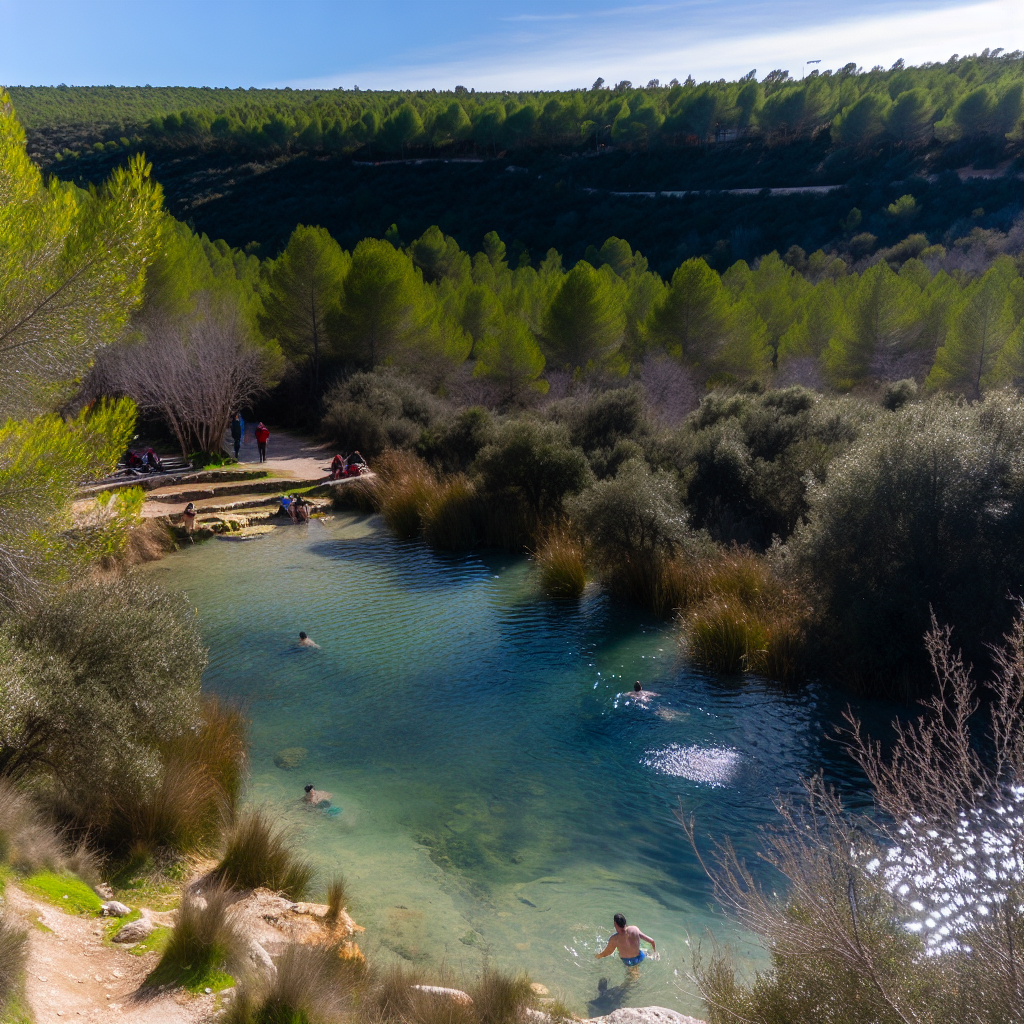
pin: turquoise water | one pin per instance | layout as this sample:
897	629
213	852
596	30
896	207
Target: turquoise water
501	794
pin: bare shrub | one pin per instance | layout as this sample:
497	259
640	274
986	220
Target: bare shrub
910	915
193	373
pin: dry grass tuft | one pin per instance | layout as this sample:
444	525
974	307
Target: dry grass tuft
337	898
198	791
204	944
450	513
27	843
562	562
258	854
13	959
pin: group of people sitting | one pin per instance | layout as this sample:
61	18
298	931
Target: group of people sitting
143	462
343	466
295	507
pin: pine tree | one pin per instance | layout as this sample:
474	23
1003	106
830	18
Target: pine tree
304	293
981	325
584	324
508	355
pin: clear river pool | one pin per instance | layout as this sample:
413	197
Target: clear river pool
502	793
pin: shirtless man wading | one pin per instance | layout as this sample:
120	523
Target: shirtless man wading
627	941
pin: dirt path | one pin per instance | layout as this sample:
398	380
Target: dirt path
287	454
73	975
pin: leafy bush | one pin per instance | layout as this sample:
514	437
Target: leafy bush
563	565
451	445
747	458
258	854
204	945
94	684
635	527
924	513
610	427
370	412
535	463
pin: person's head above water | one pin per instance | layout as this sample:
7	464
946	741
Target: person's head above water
308	788
637	688
620	920
302	636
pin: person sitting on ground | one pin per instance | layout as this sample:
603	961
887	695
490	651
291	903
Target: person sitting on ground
316	797
152	462
304	641
337	467
301	510
626	940
287	507
355	459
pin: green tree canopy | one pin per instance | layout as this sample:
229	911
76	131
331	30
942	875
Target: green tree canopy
584	324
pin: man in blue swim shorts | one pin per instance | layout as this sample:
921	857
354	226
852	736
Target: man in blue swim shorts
627	941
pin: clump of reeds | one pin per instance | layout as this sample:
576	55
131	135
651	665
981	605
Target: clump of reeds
405	487
449	514
741	618
204	944
337	897
258	855
562	562
199	786
13	958
312	985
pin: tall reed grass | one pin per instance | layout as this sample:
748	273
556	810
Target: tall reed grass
450	514
562	562
195	798
740	617
27	843
258	854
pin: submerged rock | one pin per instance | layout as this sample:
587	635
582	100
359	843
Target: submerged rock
134	931
290	757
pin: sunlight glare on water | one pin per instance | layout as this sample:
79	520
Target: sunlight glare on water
501	791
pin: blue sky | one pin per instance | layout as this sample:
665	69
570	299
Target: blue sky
516	44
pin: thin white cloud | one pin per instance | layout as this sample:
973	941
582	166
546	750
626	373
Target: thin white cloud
708	51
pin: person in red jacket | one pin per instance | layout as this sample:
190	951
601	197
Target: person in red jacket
261	441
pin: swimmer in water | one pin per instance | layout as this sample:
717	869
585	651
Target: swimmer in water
304	641
640	694
316	797
626	939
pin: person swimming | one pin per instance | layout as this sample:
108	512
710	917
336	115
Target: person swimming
316	797
304	641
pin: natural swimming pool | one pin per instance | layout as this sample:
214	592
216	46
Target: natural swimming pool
501	795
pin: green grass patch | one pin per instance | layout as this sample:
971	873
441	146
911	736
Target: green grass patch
192	979
65	891
155	942
15	1012
141	881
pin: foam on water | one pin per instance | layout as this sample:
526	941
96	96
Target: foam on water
503	795
714	766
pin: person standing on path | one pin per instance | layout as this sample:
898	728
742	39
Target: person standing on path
236	433
626	940
261	441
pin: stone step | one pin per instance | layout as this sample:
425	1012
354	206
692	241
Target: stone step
185	492
154	481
